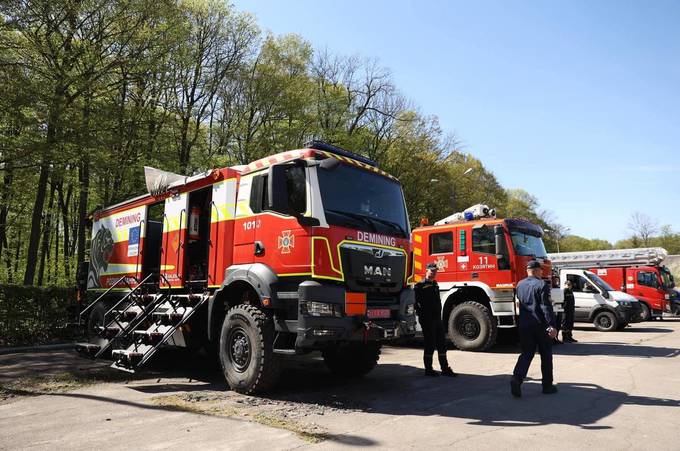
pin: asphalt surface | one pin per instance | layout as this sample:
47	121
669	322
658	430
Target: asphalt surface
617	390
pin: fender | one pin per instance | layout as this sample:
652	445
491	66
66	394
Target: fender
503	306
257	276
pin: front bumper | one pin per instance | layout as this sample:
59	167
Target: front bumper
629	314
318	332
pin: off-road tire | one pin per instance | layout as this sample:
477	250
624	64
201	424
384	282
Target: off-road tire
605	321
471	327
355	360
646	313
246	350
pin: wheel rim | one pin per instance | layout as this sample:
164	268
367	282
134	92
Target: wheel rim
605	321
239	349
468	326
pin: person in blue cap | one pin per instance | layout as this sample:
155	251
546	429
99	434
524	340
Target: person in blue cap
429	310
536	329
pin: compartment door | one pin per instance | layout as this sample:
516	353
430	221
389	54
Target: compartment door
174	237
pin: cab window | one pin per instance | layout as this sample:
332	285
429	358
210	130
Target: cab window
295	184
483	240
647	279
441	243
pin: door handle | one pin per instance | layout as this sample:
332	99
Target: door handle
259	248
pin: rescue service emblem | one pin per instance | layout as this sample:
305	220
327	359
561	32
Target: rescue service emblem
286	242
442	263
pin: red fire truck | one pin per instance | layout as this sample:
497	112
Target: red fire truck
638	272
305	250
480	260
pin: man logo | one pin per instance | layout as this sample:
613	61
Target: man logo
383	271
378	253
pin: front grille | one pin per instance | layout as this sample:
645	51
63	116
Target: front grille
371	269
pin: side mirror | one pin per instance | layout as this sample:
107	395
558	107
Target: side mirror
501	247
308	221
605	294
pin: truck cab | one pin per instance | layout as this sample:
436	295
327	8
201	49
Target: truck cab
595	301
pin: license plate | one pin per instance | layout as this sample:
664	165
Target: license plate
378	313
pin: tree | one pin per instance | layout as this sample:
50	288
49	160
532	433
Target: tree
643	227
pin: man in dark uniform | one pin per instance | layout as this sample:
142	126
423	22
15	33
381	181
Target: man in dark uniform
536	329
429	310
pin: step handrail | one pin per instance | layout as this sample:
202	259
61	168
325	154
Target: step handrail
92	304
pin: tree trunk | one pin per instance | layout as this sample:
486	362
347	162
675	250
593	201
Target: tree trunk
36	220
46	238
4	208
84	180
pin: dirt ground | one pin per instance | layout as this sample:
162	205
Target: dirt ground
617	390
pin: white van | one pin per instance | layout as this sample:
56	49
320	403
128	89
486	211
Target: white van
597	302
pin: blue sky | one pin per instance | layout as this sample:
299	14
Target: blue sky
578	102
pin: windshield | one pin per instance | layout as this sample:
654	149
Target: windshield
528	245
601	284
359	199
667	278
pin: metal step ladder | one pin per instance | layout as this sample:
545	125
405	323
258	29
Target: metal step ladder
140	323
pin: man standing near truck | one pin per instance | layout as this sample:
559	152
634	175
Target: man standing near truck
536	329
429	310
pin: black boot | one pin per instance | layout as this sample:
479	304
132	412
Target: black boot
444	365
516	387
427	360
549	389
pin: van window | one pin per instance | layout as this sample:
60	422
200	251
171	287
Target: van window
441	243
577	282
483	240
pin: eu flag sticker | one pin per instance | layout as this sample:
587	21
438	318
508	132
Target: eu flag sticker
133	241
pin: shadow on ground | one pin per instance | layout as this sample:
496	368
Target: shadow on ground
395	389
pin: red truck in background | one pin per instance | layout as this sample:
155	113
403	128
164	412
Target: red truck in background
638	272
480	260
304	250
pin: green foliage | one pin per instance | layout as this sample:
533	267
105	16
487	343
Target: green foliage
32	315
92	91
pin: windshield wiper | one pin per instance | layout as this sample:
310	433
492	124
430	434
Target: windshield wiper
362	218
392	224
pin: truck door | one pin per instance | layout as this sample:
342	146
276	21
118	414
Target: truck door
174	236
280	241
647	288
483	260
440	251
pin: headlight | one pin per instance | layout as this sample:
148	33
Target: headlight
410	309
624	303
312	308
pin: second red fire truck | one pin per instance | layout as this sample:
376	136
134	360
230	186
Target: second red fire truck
638	272
480	259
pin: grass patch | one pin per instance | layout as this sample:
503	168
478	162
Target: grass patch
307	432
58	383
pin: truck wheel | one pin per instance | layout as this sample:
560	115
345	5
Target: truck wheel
352	360
605	321
94	321
472	327
246	350
645	314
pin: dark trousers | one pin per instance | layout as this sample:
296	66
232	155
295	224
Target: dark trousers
568	317
433	334
530	338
